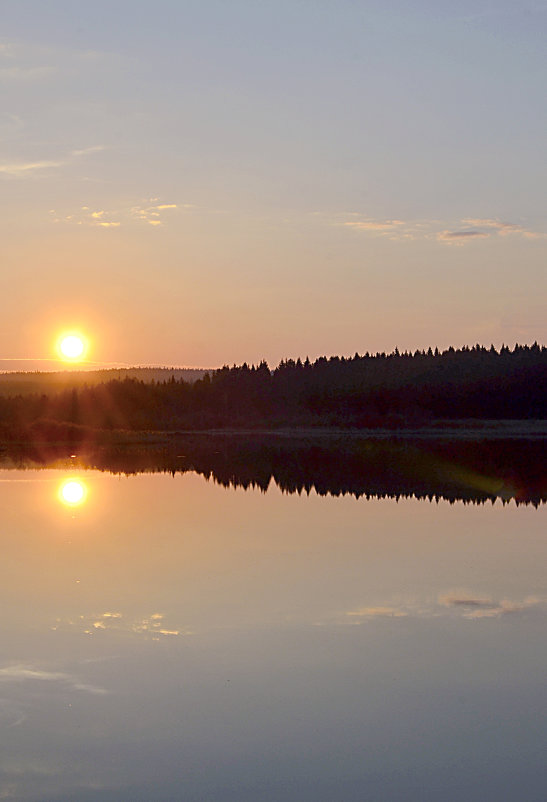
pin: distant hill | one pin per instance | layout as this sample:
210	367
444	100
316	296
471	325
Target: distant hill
48	382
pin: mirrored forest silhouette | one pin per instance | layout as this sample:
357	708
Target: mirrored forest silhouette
469	471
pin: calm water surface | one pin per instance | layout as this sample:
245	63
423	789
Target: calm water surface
166	638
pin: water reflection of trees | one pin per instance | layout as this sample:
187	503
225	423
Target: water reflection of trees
470	471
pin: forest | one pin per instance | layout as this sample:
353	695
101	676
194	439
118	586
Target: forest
364	391
54	381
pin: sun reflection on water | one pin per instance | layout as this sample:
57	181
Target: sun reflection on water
73	492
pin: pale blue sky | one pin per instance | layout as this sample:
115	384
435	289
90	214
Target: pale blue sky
200	183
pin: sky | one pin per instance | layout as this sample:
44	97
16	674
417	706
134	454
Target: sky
207	183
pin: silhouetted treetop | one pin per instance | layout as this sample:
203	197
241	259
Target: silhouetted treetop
381	390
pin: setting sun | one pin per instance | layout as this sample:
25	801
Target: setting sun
72	347
73	492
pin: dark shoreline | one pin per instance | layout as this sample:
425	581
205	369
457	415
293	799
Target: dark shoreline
456	430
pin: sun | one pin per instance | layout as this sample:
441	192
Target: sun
73	492
72	347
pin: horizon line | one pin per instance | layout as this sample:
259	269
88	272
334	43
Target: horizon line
85	365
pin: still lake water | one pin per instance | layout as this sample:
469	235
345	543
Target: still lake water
169	638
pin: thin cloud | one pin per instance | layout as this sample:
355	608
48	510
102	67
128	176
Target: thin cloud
25	673
381	227
464	599
388	228
459	237
474	607
503	228
484	227
533	234
403	609
25	168
498	225
151	213
378	612
98	218
467	230
20	169
87	151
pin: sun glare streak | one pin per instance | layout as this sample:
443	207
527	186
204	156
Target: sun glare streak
72	347
73	492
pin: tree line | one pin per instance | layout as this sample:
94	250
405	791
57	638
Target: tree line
363	391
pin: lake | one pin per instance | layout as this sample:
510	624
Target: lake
204	623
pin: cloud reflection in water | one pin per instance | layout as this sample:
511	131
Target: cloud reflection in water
461	602
151	626
29	673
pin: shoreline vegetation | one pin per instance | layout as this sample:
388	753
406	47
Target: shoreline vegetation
465	393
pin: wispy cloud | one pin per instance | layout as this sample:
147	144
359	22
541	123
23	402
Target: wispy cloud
377	226
87	151
22	169
461	236
466	230
14	64
483	228
151	213
378	612
27	673
502	228
498	225
23	62
87	217
473	606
